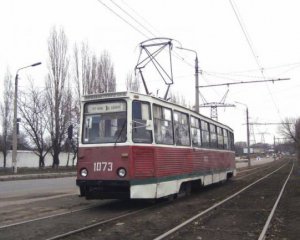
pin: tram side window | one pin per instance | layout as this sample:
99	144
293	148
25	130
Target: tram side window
205	134
226	146
195	132
213	136
230	141
181	129
163	126
141	116
220	138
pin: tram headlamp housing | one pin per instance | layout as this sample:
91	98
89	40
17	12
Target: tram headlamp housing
83	172
121	172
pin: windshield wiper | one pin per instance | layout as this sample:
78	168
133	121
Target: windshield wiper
120	133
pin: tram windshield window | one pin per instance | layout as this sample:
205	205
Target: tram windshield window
205	134
105	122
141	117
220	138
163	126
195	132
181	126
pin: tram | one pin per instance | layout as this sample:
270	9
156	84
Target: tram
136	146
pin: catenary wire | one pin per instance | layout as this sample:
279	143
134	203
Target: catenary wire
238	16
136	29
133	18
123	19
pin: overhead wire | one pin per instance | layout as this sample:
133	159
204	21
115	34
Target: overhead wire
247	36
141	17
255	70
145	29
178	56
123	19
133	18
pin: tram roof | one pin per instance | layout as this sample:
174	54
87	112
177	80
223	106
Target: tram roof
149	98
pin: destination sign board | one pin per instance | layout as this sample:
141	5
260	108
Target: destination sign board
105	107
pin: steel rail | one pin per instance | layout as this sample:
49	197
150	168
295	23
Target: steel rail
248	170
247	175
46	217
175	229
267	224
99	223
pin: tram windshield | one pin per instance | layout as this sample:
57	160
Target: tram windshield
105	122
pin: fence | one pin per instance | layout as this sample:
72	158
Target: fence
29	159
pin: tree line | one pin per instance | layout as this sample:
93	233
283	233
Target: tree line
50	115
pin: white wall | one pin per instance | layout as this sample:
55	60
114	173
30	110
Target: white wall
29	159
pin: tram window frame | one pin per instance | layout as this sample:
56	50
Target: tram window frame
162	123
205	135
196	136
181	128
139	128
220	136
213	136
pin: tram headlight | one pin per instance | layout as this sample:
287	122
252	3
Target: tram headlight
121	172
83	172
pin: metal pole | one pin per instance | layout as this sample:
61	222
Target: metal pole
274	156
15	137
14	151
196	78
248	137
196	84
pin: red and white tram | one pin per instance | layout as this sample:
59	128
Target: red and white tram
141	147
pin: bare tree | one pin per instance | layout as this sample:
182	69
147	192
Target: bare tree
290	129
33	106
56	94
93	74
178	99
6	114
106	72
132	84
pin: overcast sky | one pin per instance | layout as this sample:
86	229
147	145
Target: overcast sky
209	27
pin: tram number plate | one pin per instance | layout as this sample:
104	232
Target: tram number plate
103	166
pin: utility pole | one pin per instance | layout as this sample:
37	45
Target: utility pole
196	84
248	137
274	155
248	133
15	137
196	78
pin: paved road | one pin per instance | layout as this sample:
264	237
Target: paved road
12	192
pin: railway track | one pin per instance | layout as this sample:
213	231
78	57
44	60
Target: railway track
73	221
122	219
217	222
